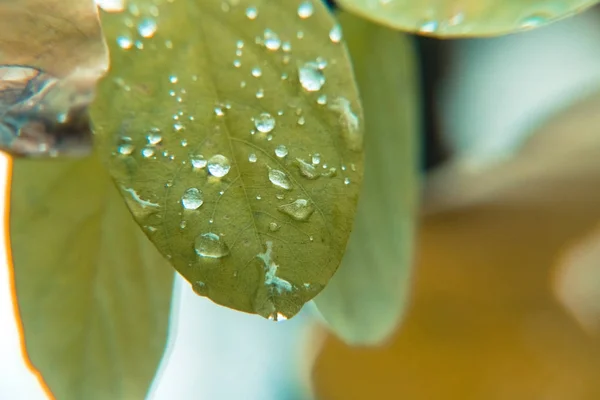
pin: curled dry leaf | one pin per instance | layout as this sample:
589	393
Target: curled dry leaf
366	298
451	18
93	292
51	55
234	132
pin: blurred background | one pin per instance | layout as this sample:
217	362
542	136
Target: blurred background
505	302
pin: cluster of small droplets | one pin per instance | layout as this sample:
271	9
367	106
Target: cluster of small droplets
137	23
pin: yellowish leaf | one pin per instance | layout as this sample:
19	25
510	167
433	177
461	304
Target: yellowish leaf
234	132
93	293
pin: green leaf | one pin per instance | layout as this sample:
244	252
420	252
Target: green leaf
365	299
213	128
93	292
449	18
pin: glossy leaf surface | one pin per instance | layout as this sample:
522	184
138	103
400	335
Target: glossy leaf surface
234	132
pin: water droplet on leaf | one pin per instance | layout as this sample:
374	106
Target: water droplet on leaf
300	210
126	149
307	170
147	27
218	166
147	152
280	179
281	151
210	245
335	34
192	199
264	123
311	77
271	40
154	138
251	13
124	42
305	10
198	161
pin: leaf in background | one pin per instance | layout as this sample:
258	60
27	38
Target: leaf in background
365	300
234	133
450	18
93	293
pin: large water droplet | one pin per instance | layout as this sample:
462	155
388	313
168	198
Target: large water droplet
264	123
147	27
281	151
280	179
154	137
311	77
210	245
307	170
218	165
252	157
305	9
192	199
300	210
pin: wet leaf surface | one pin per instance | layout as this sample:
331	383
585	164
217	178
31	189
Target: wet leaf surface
365	299
465	17
234	132
93	292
